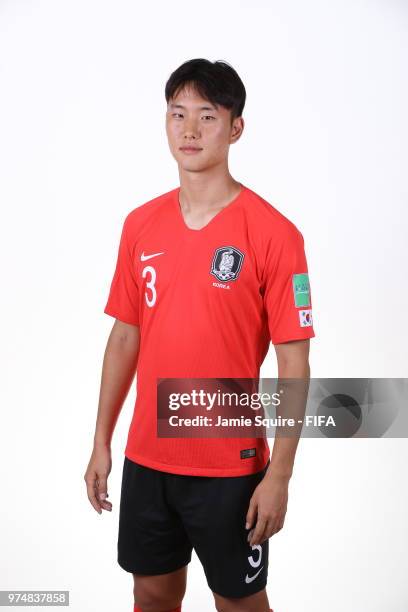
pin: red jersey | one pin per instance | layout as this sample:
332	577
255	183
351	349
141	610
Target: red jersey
208	302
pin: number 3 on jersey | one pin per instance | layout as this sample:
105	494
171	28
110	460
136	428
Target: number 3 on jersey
150	299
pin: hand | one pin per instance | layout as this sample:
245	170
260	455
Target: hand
269	503
96	478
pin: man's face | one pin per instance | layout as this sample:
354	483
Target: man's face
192	121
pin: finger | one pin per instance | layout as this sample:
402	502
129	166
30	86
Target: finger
97	503
269	531
105	504
250	515
102	487
258	533
102	493
90	489
278	528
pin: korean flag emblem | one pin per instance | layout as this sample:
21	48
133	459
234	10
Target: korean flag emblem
305	317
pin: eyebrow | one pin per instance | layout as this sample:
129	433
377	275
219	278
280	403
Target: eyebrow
213	108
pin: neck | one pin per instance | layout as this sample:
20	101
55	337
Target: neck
207	190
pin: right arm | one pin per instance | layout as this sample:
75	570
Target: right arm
118	371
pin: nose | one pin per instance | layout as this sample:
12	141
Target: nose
191	130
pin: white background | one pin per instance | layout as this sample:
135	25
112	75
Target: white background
82	143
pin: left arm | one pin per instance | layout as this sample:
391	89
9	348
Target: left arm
269	500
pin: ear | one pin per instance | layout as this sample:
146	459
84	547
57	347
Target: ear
236	129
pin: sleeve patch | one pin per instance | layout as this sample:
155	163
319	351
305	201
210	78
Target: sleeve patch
301	290
305	318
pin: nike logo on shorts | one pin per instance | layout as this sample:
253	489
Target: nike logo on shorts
249	579
143	257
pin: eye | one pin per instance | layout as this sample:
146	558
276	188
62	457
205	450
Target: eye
177	115
208	117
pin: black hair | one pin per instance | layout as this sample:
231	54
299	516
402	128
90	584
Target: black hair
216	82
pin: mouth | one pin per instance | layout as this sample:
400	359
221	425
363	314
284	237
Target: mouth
190	150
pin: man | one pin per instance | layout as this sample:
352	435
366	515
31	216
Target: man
205	278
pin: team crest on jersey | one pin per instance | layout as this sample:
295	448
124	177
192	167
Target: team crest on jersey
227	263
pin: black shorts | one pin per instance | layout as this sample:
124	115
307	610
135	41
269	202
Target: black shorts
163	516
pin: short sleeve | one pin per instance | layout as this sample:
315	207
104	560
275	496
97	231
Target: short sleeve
287	295
123	299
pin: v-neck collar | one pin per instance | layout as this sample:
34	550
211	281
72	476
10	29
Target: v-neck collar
176	204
